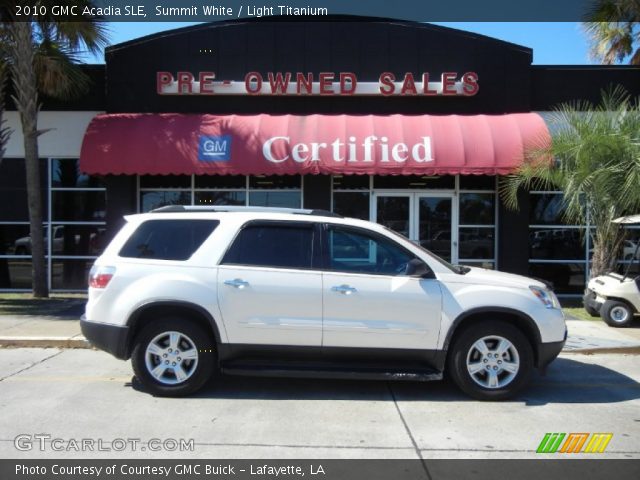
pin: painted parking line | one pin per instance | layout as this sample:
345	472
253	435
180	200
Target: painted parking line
587	385
68	379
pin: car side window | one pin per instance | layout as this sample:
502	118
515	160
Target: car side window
168	239
355	251
278	245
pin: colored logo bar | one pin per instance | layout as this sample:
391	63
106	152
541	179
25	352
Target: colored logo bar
574	443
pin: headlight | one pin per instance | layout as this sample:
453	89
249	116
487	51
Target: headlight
547	297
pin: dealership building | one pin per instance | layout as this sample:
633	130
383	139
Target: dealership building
406	124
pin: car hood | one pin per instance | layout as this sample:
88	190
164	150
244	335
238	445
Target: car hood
492	277
608	281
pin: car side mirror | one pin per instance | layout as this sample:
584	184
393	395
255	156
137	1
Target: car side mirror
417	268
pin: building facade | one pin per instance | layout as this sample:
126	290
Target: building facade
402	123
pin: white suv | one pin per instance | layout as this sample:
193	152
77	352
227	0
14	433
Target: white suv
186	291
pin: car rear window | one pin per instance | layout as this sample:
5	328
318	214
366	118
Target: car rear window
168	239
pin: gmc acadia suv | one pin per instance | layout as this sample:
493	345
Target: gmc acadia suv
187	291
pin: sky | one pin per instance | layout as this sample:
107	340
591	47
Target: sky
552	42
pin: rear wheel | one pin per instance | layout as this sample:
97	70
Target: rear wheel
173	357
492	360
616	313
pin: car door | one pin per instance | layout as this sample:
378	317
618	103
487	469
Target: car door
368	300
268	290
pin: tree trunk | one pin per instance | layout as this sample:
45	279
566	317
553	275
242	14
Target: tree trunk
606	249
5	132
26	99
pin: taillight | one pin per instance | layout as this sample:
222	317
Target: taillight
99	276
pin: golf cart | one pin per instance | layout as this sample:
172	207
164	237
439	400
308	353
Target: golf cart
615	297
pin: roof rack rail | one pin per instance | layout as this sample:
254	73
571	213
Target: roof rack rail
223	208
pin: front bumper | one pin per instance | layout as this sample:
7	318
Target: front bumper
547	352
589	300
113	339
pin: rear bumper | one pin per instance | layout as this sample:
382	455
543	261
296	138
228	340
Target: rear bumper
110	338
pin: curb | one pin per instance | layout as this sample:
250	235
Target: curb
631	350
77	341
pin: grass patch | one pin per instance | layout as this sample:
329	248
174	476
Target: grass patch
580	313
574	309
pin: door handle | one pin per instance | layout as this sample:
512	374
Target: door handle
343	289
237	283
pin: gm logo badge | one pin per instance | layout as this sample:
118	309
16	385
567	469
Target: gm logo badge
214	149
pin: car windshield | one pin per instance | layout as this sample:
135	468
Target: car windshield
460	269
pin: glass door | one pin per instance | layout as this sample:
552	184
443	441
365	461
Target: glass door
394	211
428	219
434	224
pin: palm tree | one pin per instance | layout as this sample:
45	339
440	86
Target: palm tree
41	54
614	28
594	160
5	133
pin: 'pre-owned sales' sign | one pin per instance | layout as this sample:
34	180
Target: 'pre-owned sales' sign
326	83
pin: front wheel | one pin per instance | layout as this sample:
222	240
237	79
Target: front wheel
173	357
492	360
616	313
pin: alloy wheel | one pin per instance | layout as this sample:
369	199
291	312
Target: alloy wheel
171	358
493	362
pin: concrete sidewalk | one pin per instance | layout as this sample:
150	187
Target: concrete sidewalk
63	331
591	336
47	323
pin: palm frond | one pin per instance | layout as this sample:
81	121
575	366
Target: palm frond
58	73
596	151
90	34
613	29
610	42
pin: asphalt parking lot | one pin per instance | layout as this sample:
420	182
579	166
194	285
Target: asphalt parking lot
86	394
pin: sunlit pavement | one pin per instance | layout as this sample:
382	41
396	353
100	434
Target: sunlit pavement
86	394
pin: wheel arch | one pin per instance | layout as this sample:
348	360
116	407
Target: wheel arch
144	314
520	320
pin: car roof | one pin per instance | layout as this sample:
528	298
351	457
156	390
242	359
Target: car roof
249	213
238	209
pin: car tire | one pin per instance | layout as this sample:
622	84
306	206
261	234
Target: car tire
480	372
616	313
161	370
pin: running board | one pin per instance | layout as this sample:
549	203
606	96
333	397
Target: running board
421	374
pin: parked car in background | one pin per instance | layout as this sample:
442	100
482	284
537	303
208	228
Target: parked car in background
22	246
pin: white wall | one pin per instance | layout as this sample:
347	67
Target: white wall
63	140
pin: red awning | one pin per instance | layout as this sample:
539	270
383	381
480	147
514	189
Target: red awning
312	144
